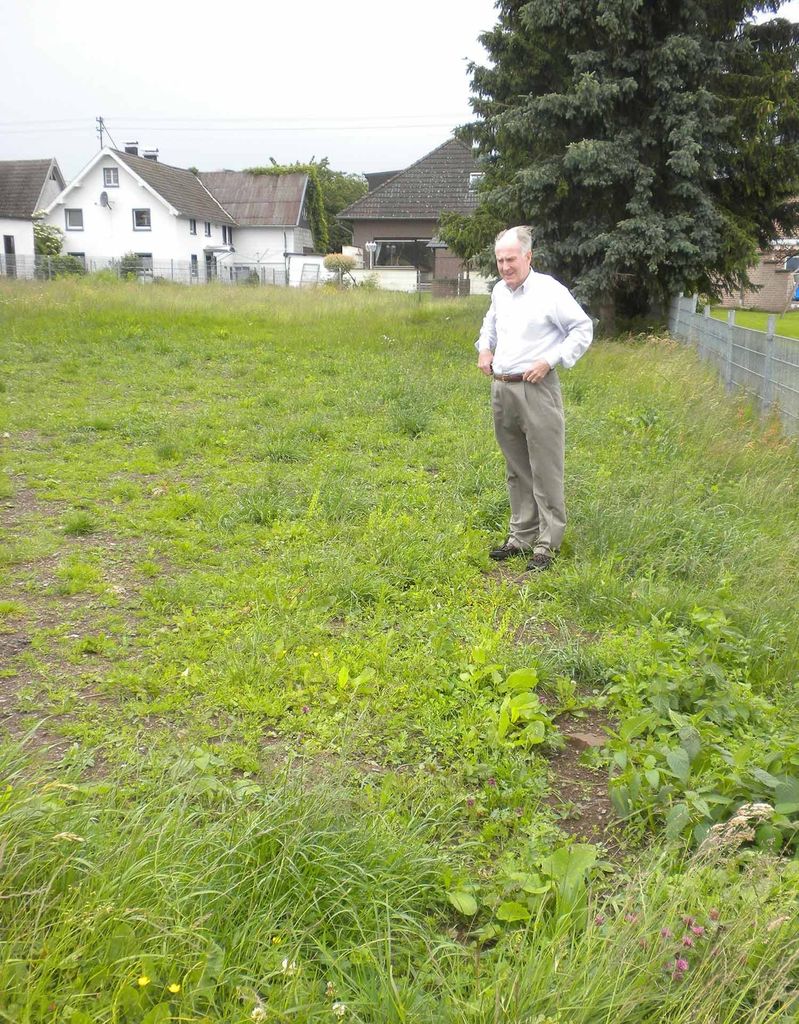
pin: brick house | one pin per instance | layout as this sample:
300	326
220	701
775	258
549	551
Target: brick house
400	214
774	278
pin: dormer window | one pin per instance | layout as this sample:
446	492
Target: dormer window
110	177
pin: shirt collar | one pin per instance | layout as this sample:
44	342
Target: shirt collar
523	286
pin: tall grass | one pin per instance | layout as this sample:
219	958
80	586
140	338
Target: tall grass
253	525
185	897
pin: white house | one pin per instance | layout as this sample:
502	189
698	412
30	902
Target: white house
186	226
122	203
272	226
26	186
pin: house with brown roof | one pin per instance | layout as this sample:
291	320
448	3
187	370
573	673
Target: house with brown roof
270	213
26	186
125	205
398	218
185	226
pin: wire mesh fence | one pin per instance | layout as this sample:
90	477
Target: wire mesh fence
763	364
146	269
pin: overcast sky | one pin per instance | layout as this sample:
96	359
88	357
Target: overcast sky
371	84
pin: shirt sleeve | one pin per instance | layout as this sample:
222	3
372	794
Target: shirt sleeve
576	324
488	332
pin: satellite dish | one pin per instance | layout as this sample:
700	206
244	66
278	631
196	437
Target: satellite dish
103	199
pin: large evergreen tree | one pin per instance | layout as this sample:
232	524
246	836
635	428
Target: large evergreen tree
651	144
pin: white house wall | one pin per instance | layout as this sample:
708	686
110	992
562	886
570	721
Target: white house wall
22	233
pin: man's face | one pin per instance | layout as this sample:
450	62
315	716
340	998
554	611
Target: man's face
513	264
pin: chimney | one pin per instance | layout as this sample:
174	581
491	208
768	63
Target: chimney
132	148
150	154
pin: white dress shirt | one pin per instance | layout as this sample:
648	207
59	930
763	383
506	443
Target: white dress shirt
540	319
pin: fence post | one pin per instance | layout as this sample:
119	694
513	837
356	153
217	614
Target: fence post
728	354
768	363
49	268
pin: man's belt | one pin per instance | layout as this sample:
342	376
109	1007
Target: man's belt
509	378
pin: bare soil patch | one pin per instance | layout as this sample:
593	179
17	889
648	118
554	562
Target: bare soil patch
579	792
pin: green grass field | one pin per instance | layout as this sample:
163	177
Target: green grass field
787	326
281	744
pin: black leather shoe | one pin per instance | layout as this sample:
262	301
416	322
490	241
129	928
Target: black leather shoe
540	562
507	550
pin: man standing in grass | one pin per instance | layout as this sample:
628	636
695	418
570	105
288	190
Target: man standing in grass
532	325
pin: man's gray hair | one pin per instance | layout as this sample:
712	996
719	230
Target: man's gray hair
519	235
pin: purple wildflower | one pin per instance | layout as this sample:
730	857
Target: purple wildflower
666	933
599	920
491	782
697	929
688	942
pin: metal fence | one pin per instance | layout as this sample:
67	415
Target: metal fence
146	269
763	364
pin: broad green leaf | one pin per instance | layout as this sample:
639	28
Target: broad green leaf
653	778
488	932
690	741
771	781
676	820
530	882
159	1014
535	732
636	726
463	902
786	795
523	704
679	764
513	911
521	679
504	720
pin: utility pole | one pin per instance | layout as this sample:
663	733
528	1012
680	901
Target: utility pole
100	129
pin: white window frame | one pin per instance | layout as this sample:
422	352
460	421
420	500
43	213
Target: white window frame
73	227
192	226
143	209
110	177
194	266
475	177
208	229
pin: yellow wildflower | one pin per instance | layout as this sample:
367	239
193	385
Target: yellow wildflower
143	980
174	988
276	940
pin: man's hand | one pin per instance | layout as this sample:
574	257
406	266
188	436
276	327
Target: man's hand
537	371
484	361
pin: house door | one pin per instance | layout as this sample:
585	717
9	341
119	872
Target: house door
210	267
9	251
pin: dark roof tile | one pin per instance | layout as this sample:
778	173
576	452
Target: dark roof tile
437	182
180	188
21	185
259	200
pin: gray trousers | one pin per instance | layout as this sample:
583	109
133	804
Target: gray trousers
530	430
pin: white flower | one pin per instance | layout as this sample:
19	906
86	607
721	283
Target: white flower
258	1014
339	1009
289	967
